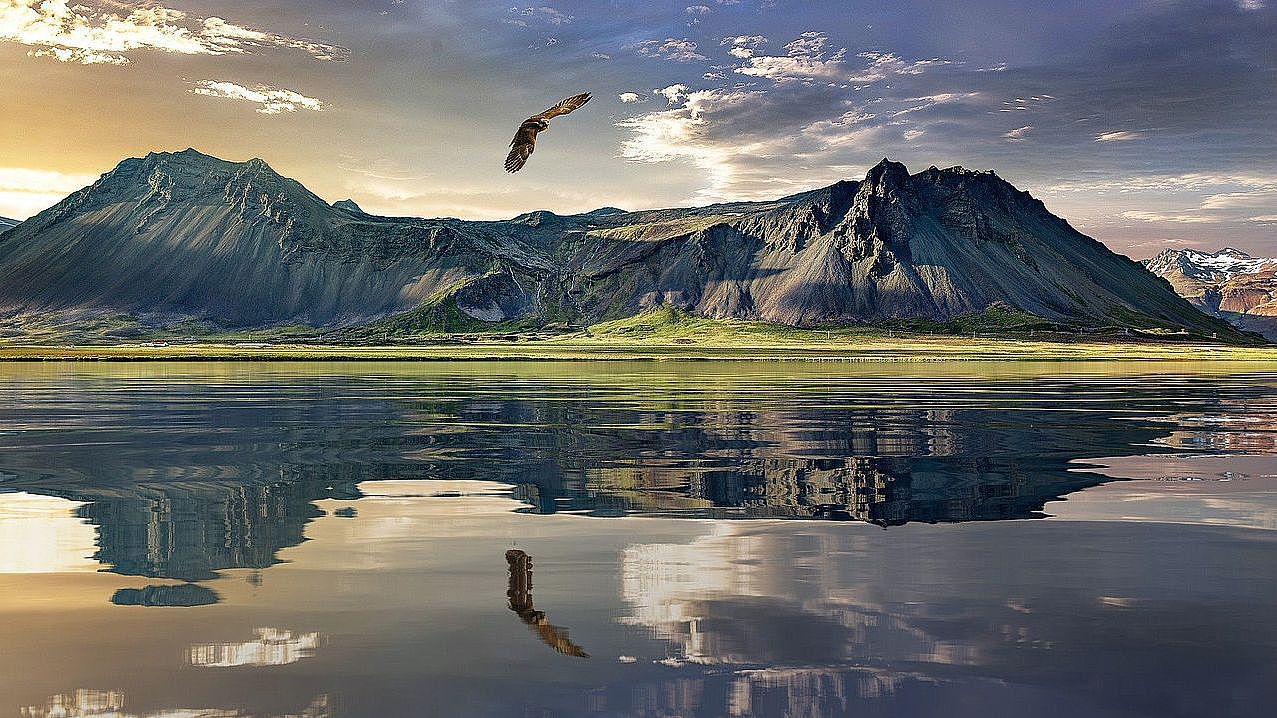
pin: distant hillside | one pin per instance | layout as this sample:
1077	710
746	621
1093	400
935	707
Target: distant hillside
186	237
1229	284
6	223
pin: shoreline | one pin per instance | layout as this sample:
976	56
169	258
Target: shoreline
884	350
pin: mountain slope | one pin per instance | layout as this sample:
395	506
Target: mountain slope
7	224
185	235
1229	284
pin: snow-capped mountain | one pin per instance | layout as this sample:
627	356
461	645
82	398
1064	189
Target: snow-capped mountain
1229	284
1220	266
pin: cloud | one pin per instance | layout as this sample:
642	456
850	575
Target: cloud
1119	136
1171	241
805	60
1187	181
808	58
25	192
1263	198
1185	217
630	97
1018	134
762	139
750	41
684	133
1251	4
673	93
676	49
90	36
271	100
697	10
885	65
544	15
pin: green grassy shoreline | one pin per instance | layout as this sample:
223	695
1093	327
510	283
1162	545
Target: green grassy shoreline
575	349
668	334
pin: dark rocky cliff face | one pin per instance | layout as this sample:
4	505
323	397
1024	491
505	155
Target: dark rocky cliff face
187	235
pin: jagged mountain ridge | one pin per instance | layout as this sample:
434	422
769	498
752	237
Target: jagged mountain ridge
1229	284
188	235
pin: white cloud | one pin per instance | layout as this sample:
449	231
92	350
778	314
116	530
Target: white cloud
1172	241
764	140
808	58
544	14
88	35
271	100
671	48
1251	4
683	133
885	65
25	192
750	41
805	60
630	97
1118	136
1263	198
1188	181
673	93
1183	217
1019	133
697	10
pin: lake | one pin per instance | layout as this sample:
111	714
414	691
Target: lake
219	540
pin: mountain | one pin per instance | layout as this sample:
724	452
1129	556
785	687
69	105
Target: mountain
1229	284
7	224
181	236
349	205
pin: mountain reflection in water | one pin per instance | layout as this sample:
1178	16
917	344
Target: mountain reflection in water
349	524
188	476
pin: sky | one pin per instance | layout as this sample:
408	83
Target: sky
1148	124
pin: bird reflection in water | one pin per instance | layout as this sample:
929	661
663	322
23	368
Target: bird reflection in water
520	595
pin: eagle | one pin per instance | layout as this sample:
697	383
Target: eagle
525	138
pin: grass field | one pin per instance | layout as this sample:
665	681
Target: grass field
668	334
576	348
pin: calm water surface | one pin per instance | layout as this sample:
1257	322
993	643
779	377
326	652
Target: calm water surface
669	539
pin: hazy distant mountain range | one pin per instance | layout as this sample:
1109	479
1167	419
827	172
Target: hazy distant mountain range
185	236
1229	284
6	223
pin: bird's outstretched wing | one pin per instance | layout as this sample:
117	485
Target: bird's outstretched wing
563	107
521	147
525	138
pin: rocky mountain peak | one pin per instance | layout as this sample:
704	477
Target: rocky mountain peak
887	176
349	205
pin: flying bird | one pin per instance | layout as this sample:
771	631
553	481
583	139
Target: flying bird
525	139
